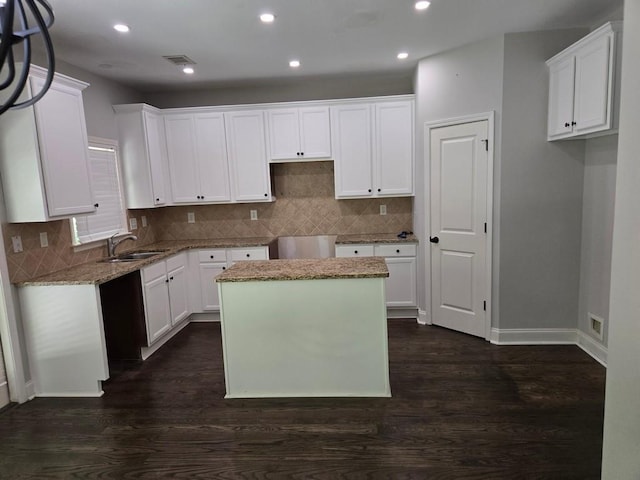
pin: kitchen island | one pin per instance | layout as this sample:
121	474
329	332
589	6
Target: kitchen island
305	328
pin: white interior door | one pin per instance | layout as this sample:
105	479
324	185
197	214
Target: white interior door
459	179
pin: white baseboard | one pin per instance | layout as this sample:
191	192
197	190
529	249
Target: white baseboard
550	336
400	312
4	394
205	317
593	347
534	336
423	319
72	394
146	352
30	389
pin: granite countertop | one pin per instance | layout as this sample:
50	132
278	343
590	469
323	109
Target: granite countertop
97	272
299	269
375	238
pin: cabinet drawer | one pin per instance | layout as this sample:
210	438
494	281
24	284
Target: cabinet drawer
395	250
259	253
218	255
354	250
153	271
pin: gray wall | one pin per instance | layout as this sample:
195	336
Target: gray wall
463	81
597	230
621	420
541	193
98	98
296	89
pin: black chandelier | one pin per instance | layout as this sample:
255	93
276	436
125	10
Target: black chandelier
19	13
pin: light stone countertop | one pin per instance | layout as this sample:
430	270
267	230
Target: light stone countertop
305	269
374	238
97	272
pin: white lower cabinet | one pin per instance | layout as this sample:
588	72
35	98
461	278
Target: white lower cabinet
401	285
212	263
165	295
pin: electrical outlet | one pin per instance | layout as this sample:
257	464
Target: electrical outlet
191	217
133	224
383	209
143	218
44	240
254	214
596	326
17	243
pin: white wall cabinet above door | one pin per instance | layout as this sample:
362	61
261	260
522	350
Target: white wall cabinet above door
143	149
584	84
248	164
298	134
197	154
44	154
373	149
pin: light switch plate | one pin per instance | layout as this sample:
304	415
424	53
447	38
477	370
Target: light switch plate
191	217
383	209
17	243
133	224
253	214
44	240
143	218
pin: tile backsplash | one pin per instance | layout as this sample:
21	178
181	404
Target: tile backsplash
305	205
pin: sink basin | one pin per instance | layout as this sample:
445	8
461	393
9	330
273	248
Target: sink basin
131	257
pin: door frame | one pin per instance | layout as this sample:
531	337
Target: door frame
489	117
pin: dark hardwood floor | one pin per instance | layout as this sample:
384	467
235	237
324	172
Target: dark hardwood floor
461	409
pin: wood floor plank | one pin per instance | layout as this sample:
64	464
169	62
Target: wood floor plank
461	409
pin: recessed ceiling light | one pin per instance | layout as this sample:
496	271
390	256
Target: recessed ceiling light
422	5
294	63
188	70
121	27
403	55
267	17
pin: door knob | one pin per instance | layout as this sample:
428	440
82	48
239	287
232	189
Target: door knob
434	239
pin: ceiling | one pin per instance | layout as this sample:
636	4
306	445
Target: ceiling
228	43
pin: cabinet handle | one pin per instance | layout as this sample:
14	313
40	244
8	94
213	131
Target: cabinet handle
574	123
166	280
248	255
96	205
224	268
302	153
266	195
379	189
157	199
211	256
355	251
567	124
398	251
369	190
170	278
298	153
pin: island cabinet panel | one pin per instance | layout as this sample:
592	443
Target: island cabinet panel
305	338
44	157
64	336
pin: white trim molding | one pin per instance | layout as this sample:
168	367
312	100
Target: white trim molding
551	336
423	318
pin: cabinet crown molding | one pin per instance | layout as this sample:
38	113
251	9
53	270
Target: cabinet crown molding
608	27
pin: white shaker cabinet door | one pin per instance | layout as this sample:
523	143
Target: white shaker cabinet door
561	84
178	294
315	134
393	151
351	140
182	158
64	149
156	307
208	286
246	143
211	148
155	149
284	134
401	285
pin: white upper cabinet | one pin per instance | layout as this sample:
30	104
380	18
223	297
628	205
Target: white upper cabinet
298	134
246	147
373	149
584	86
44	153
197	154
143	149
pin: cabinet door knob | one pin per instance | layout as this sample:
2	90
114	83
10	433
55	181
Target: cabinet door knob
379	189
166	281
157	199
170	278
298	153
567	124
224	268
302	153
248	255
211	256
266	195
434	239
96	205
398	251
369	190
355	251
574	123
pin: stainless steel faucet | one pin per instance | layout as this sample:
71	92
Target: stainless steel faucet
112	243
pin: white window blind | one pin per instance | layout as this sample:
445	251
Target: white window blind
110	216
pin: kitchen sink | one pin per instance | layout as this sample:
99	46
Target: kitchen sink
131	257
